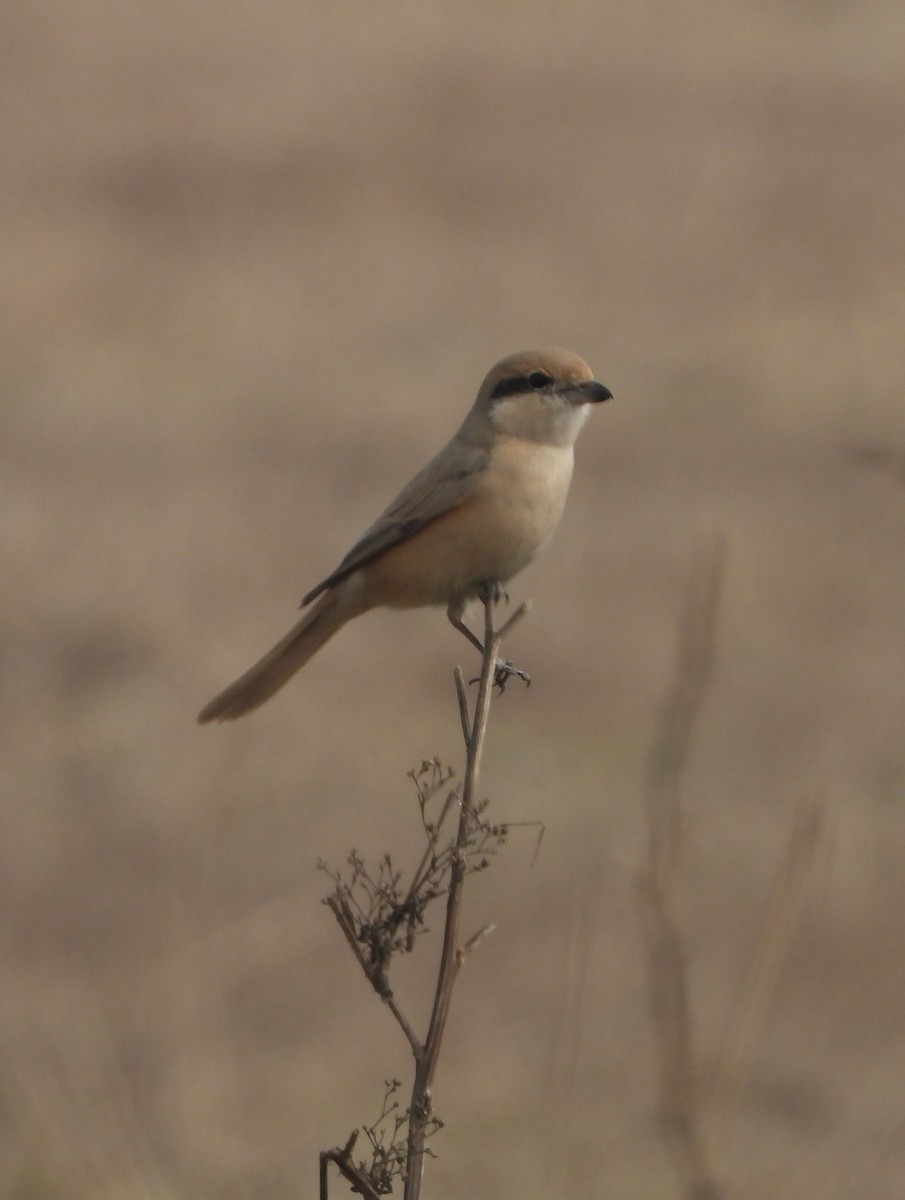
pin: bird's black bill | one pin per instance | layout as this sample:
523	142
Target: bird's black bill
591	392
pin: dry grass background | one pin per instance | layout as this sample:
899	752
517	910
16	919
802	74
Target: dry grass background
255	261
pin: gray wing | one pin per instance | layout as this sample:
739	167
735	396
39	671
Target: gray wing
441	486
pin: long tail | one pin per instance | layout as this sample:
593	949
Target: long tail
278	665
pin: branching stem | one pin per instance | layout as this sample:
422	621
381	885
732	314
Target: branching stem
378	919
451	957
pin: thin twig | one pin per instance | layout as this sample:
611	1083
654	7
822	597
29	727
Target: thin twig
459	676
523	609
430	851
475	940
403	1022
375	977
342	1160
340	909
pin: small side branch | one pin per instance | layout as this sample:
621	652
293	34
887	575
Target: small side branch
342	1160
375	974
462	697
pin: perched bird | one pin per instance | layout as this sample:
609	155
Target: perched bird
472	518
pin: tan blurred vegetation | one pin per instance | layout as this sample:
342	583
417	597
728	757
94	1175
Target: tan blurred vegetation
255	261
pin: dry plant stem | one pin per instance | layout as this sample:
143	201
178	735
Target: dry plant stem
451	955
462	697
771	952
342	1159
418	875
341	911
680	1105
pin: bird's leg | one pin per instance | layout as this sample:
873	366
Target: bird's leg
456	621
489	591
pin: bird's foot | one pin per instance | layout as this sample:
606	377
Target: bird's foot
505	669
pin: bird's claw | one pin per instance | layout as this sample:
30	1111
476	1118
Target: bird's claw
504	670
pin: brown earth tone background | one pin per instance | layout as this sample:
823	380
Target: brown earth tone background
255	261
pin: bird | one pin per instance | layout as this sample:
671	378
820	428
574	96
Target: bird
470	520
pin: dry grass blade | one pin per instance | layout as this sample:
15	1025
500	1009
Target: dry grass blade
672	737
679	1102
772	949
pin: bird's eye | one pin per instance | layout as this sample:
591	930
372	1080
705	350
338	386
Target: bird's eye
539	380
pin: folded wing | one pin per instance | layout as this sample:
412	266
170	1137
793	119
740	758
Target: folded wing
446	482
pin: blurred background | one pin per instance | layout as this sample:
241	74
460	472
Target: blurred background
255	261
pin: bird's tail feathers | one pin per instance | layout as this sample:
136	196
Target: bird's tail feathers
278	665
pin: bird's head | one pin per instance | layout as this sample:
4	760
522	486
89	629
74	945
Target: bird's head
540	396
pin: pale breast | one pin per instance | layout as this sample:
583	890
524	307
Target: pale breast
515	507
524	493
